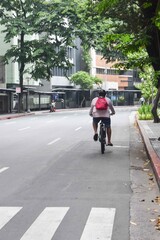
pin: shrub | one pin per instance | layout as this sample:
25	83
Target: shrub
144	112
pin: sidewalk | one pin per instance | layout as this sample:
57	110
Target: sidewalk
14	115
17	115
150	133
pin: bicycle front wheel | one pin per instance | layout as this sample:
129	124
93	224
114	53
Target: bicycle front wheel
102	147
102	141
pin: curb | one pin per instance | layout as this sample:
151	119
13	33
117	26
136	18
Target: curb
15	116
155	160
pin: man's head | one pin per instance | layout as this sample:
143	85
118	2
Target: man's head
102	93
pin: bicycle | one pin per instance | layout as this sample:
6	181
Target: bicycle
102	136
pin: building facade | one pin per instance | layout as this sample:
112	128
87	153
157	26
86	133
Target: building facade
112	78
38	94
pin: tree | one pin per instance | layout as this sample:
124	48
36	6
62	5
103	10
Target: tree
16	16
85	81
147	87
133	27
55	25
52	24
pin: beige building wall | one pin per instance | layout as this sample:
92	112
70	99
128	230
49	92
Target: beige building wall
121	81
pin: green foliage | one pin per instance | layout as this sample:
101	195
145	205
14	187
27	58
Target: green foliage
144	112
84	80
44	31
47	19
121	99
132	30
58	23
96	80
86	56
133	39
124	28
147	87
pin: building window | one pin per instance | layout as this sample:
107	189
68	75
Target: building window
100	71
56	71
112	71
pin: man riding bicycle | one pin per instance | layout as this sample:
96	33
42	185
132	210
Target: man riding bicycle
102	114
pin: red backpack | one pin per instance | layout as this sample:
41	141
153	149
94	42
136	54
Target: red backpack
101	104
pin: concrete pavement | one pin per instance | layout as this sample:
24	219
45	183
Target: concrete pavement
150	133
14	115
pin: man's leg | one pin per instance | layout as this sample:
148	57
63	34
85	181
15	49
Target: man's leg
95	128
109	131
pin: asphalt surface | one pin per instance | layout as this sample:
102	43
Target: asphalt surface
54	165
143	203
150	133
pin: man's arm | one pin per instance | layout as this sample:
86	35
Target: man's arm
91	109
111	108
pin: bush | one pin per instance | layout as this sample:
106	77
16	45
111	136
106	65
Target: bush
144	112
121	99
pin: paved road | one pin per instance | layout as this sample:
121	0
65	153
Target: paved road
55	184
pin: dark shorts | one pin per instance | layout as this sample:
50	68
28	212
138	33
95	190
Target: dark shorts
106	121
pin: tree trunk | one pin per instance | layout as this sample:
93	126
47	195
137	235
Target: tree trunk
153	46
21	71
21	86
154	109
83	100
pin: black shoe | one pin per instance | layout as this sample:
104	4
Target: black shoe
109	144
95	137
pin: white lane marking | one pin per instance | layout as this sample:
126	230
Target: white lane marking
46	224
78	128
22	129
33	118
99	224
10	123
3	169
51	121
116	146
65	117
54	141
6	213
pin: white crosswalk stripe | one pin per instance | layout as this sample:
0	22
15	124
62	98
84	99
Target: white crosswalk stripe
46	224
3	169
98	226
6	213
